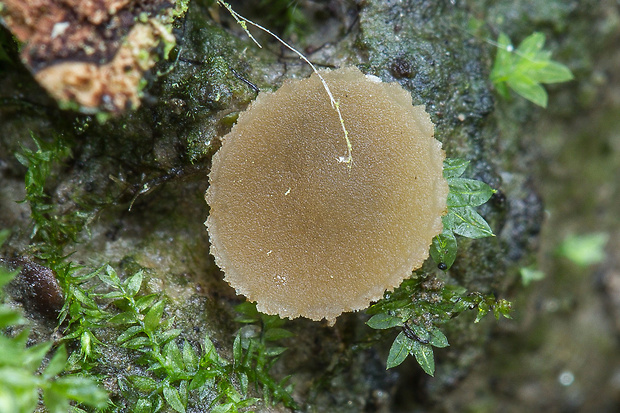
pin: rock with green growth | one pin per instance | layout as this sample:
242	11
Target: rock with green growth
155	159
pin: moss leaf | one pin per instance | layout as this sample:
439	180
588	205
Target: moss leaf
399	351
454	167
468	192
444	247
424	355
469	223
438	338
174	400
382	321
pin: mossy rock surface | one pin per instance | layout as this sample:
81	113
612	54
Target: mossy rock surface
142	177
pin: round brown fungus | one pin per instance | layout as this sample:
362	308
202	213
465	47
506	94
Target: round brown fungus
301	232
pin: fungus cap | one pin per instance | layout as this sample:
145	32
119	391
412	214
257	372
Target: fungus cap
303	234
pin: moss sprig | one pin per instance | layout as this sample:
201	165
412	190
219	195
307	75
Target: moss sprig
255	354
525	68
420	305
461	219
31	375
177	374
52	229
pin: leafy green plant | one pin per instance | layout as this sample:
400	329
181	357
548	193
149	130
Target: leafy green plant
525	68
52	229
24	375
530	274
420	305
254	354
177	374
462	219
176	371
586	249
81	315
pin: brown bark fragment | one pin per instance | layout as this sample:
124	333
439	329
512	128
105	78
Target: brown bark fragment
91	52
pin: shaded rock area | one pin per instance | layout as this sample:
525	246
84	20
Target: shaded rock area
140	179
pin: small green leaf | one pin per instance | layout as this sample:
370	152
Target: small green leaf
34	356
82	297
137	343
113	295
468	223
183	391
553	72
201	377
145	302
123	318
168	335
57	363
438	338
10	317
584	250
529	89
399	350
143	406
237	349
129	333
243	383
383	321
271	321
190	359
274	351
172	397
531	45
54	402
274	334
174	358
424	355
109	276
468	192
483	309
143	384
504	61
248	309
528	275
153	317
454	167
209	350
82	390
224	408
444	248
132	285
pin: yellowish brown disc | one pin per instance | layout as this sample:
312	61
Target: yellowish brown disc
301	232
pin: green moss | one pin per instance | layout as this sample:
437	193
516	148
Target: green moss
52	226
163	148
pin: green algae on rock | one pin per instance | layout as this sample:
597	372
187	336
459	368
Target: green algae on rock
303	234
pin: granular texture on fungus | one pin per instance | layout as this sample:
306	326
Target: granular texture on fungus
304	234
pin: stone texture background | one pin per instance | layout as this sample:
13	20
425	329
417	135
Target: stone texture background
565	156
